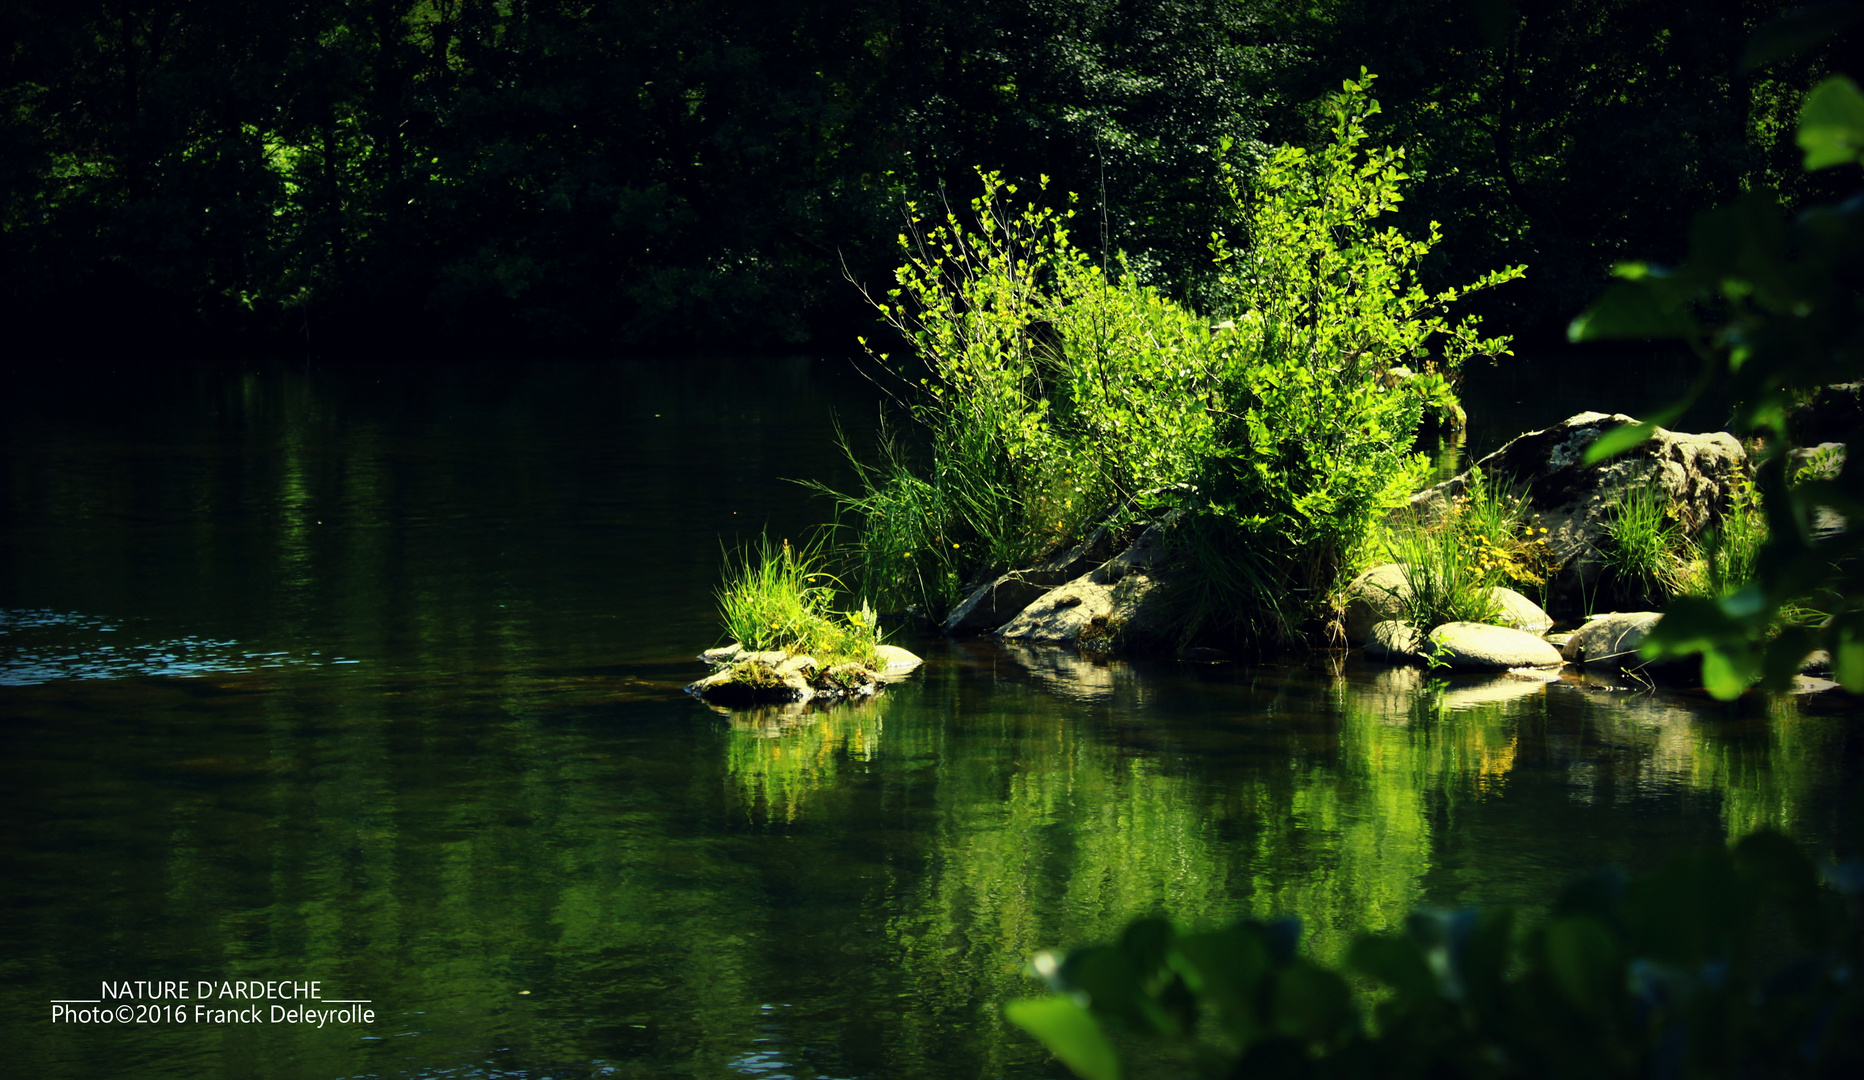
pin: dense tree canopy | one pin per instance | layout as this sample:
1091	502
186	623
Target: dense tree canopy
550	175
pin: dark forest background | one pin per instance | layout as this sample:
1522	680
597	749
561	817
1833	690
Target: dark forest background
561	177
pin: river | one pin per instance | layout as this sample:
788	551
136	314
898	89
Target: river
371	678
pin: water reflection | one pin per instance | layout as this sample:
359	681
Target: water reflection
510	828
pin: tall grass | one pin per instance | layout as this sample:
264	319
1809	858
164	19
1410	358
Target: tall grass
1481	539
1642	540
779	598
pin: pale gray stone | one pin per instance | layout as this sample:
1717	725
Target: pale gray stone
1373	597
1467	646
896	663
1518	612
1611	640
1393	640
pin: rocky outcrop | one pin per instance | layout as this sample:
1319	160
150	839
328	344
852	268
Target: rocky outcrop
1123	603
1002	598
1575	501
741	677
1060	615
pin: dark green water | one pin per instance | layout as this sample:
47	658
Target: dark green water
374	681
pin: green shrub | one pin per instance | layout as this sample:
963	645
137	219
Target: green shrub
780	598
1059	391
1733	962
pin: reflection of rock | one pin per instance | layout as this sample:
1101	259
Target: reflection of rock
1069	673
741	678
1576	500
1467	646
1497	689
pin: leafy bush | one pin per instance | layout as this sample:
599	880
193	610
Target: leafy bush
779	598
1059	390
1732	962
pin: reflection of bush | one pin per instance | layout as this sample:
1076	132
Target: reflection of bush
781	755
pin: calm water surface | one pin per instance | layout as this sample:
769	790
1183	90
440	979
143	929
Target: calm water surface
373	679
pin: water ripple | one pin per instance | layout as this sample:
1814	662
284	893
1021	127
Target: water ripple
39	645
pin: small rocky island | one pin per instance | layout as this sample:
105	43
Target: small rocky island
742	677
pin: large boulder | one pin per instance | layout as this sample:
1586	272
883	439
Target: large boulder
1575	501
1467	646
1059	615
1611	640
1002	598
1373	597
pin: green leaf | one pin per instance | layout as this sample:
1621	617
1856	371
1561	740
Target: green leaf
1831	124
1070	1033
1634	310
1618	440
1729	671
1310	1002
1848	662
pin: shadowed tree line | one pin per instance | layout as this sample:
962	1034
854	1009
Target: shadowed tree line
556	176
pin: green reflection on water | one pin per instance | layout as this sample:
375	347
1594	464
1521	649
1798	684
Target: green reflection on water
508	826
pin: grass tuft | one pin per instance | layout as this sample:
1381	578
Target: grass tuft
780	598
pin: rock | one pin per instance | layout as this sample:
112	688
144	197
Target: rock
755	682
1373	597
1152	551
1611	640
1467	646
1060	615
777	678
1518	612
1393	640
895	663
1001	599
1574	501
722	655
